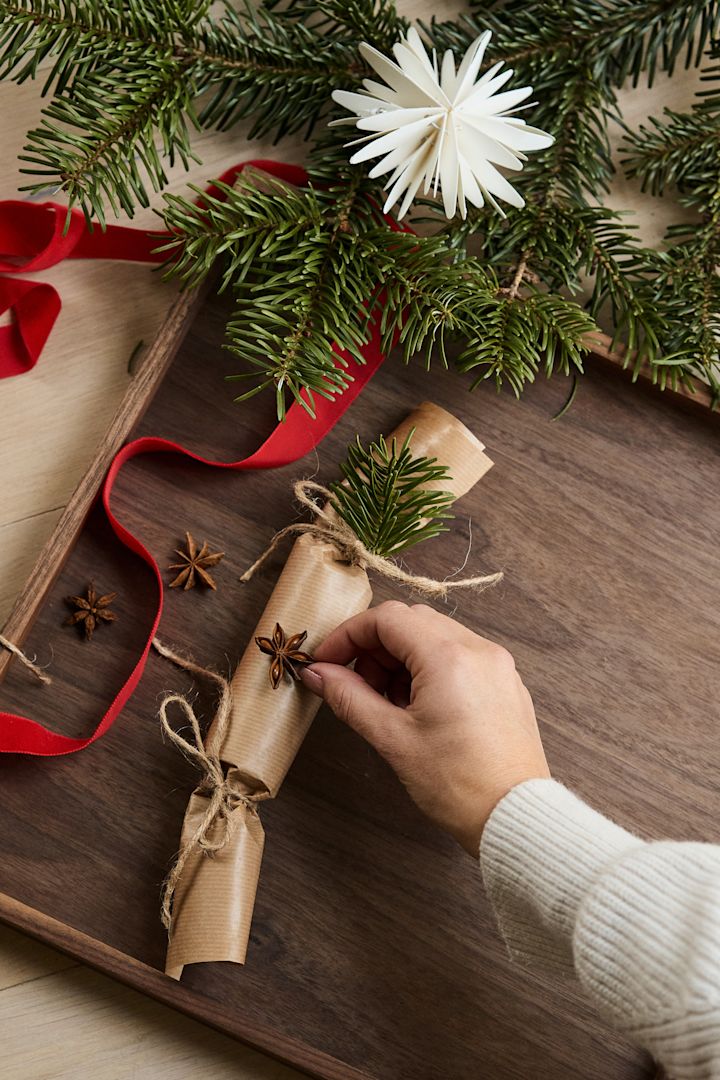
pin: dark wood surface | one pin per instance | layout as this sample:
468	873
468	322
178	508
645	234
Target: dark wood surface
374	951
135	401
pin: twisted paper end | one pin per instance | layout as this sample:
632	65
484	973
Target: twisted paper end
223	796
331	528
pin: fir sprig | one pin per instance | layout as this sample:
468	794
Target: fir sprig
132	79
391	499
315	270
302	265
683	150
279	72
620	38
374	21
82	35
562	236
112	144
258	217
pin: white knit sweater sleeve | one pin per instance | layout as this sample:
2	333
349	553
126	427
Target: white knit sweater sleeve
639	923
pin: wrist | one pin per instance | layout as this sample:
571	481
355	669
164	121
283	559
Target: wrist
470	836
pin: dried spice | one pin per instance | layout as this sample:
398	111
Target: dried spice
285	652
91	610
195	563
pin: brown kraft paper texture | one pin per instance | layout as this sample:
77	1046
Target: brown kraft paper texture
215	896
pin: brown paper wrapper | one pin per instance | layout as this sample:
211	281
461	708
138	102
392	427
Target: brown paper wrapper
315	592
439	434
214	899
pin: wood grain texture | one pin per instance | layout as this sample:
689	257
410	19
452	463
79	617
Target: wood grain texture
157	985
20	542
52	421
26	961
697	391
78	1026
373	944
139	393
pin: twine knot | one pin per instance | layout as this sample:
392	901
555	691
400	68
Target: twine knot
222	792
328	525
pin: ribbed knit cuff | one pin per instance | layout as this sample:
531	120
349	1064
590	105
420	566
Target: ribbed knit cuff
647	946
541	850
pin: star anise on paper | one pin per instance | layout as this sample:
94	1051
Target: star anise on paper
195	564
91	610
285	652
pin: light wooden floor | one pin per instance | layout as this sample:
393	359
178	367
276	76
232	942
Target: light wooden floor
59	1020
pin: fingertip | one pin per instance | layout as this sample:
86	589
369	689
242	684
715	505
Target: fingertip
312	679
321	676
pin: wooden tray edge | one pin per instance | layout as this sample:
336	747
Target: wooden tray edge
75	943
698	393
135	401
126	969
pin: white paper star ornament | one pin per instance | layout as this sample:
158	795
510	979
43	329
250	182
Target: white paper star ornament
442	129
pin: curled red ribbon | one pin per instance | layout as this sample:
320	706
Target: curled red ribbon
32	238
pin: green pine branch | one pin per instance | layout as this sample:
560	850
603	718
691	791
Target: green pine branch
429	301
521	336
574	54
78	34
391	499
678	150
682	150
300	324
301	265
620	38
259	217
277	71
277	66
113	142
688	288
641	38
318	267
374	21
131	79
609	253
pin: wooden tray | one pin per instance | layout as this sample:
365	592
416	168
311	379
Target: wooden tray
374	953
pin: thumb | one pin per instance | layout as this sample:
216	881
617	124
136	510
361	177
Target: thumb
356	703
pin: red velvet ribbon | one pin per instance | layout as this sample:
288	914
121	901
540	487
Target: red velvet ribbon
32	238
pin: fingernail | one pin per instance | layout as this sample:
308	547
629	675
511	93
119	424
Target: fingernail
313	680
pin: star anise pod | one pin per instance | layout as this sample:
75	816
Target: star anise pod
91	610
195	563
285	652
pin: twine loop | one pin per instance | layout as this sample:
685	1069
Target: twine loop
329	526
222	792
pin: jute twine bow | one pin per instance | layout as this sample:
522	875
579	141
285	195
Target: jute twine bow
222	794
330	526
29	664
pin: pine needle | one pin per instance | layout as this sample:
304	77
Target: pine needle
390	499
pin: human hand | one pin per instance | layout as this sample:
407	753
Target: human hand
445	707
